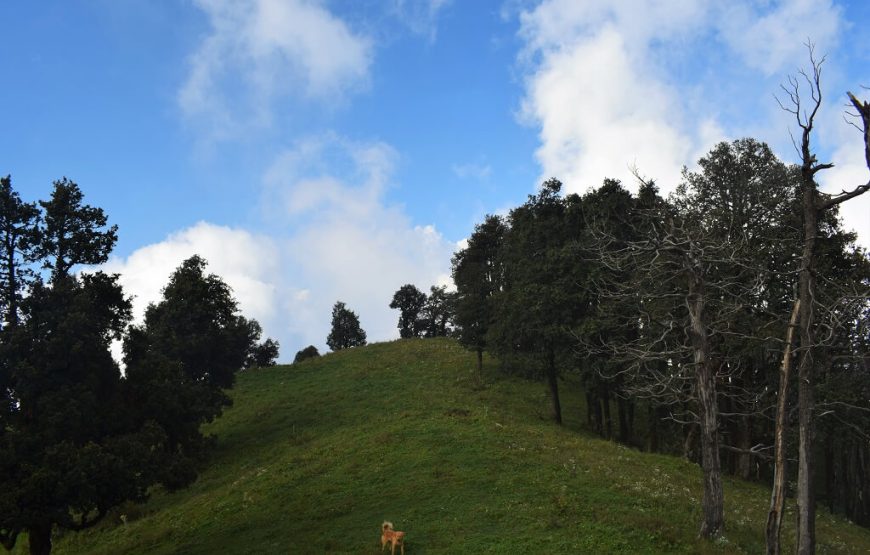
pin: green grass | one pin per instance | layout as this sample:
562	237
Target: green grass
313	457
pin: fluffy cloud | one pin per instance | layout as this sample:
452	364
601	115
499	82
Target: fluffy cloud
596	91
332	236
258	50
616	85
245	261
347	242
770	36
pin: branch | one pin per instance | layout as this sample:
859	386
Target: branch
863	109
864	112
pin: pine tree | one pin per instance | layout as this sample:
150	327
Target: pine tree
346	331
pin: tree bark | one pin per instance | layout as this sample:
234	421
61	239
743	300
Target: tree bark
713	502
806	499
777	495
605	408
689	443
744	442
626	418
552	380
39	537
653	433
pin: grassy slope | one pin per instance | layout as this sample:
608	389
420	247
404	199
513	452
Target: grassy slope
313	457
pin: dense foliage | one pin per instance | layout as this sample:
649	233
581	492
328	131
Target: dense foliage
306	353
78	437
346	331
679	306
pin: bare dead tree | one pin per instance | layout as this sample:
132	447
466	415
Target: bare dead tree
686	287
777	496
813	204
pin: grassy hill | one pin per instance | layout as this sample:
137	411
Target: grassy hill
313	457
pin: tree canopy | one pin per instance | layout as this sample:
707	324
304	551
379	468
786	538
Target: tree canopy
410	302
346	331
78	437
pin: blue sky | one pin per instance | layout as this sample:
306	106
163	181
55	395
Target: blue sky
322	150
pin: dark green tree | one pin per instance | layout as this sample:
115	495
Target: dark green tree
262	354
605	222
73	233
410	302
181	361
70	452
542	297
18	239
306	353
437	312
346	331
478	274
70	445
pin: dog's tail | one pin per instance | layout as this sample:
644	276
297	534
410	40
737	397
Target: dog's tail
387	526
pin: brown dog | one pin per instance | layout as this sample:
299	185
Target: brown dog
388	535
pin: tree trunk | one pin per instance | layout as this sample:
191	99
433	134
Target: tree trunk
626	416
713	502
552	380
744	442
596	413
714	497
605	407
806	498
652	438
830	473
777	494
480	364
689	443
40	539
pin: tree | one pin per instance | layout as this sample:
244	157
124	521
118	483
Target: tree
814	203
410	302
478	275
18	239
346	331
437	312
70	452
697	279
542	296
306	353
70	447
72	231
181	361
262	354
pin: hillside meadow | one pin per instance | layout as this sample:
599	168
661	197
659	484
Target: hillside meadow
313	457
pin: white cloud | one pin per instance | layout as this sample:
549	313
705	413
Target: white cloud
770	36
258	50
246	262
347	243
333	237
598	95
849	171
601	85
